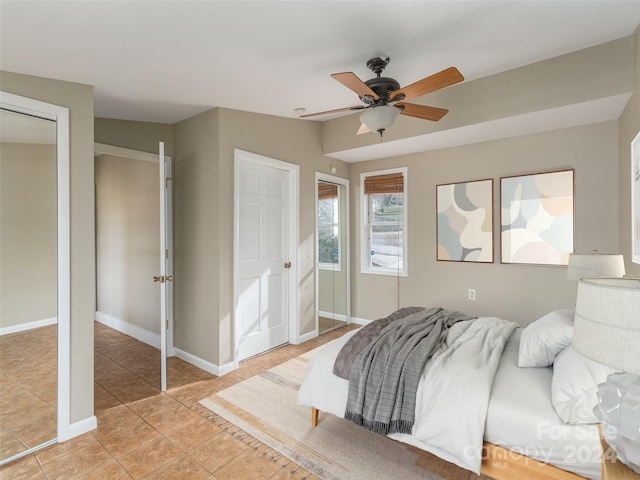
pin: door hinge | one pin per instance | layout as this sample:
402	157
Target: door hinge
166	253
167	324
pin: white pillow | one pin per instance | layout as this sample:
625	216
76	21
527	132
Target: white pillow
574	386
545	338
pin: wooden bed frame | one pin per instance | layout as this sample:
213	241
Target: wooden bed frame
502	464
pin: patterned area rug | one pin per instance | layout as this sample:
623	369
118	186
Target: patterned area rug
265	406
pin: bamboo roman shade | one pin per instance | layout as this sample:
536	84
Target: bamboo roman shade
390	183
327	190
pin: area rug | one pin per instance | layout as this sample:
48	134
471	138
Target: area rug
265	406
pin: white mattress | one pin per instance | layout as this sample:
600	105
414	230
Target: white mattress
522	419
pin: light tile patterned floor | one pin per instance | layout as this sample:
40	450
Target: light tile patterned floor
143	433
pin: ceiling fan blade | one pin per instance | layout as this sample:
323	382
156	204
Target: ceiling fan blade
351	81
337	110
363	129
430	84
420	111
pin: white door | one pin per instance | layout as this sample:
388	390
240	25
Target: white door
165	278
262	258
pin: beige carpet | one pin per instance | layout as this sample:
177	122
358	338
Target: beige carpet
265	406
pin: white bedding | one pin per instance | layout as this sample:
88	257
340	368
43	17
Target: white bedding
449	425
522	419
519	416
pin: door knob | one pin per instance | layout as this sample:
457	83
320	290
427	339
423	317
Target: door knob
158	279
169	278
287	265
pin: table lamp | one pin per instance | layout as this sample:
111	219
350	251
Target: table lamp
607	329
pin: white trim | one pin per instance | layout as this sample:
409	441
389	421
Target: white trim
28	326
360	321
365	246
635	216
336	316
78	428
205	365
104	149
294	241
61	116
309	336
24	453
139	333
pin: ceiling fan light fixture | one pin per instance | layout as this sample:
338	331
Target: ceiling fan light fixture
378	119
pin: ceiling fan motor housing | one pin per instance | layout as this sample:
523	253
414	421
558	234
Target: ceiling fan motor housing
383	86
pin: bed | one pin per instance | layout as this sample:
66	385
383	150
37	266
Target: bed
510	431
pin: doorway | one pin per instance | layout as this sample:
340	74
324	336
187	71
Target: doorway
129	332
332	252
265	260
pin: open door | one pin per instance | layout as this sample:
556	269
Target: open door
165	278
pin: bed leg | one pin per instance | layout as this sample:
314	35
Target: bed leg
314	416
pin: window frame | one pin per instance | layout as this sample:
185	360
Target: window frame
365	240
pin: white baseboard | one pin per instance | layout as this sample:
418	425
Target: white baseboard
28	326
203	364
360	321
307	336
77	428
335	316
139	333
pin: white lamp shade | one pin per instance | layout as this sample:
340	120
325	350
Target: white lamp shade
379	118
607	322
590	265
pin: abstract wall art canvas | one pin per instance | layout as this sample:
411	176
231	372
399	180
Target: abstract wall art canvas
537	218
465	221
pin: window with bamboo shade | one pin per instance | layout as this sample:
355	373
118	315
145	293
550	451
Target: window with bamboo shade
384	235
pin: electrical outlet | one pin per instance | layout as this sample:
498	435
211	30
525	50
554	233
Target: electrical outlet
472	294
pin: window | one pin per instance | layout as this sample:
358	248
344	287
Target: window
384	236
328	226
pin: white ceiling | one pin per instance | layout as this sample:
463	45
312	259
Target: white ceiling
164	61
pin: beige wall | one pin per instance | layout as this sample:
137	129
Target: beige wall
196	232
629	127
79	99
142	136
289	140
28	233
204	219
516	292
127	241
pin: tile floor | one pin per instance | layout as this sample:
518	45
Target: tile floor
143	433
28	389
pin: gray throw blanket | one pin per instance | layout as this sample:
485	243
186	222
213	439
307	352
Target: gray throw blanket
383	382
363	338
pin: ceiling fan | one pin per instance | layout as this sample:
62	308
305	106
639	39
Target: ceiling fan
383	97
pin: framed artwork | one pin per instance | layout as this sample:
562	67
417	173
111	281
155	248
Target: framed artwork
635	199
537	218
465	221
